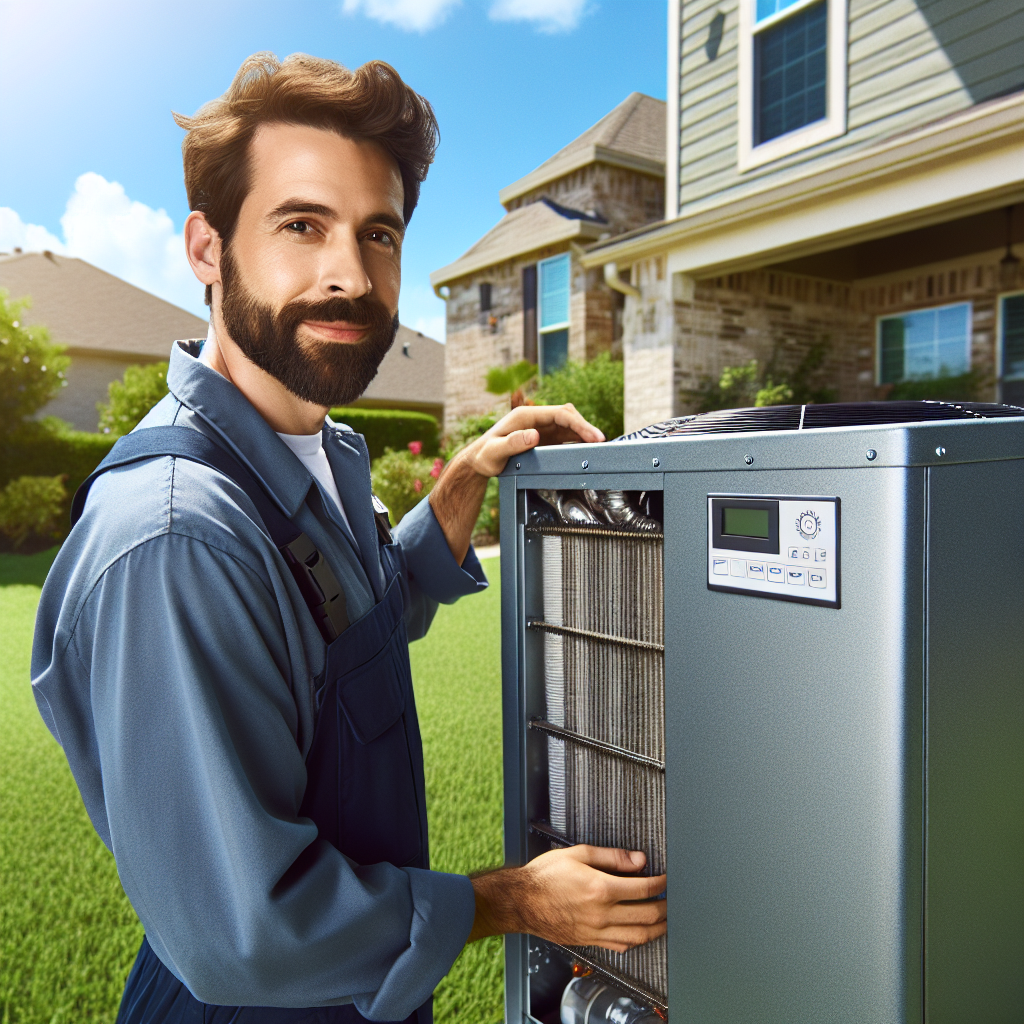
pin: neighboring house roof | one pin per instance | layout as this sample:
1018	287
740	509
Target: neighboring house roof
412	372
530	227
88	309
632	135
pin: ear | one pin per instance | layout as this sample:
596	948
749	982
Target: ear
203	248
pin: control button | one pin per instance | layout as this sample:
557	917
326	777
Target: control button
796	577
737	567
793	553
808	524
820	555
776	573
816	578
805	553
755	570
720	566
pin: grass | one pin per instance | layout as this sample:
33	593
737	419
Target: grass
67	933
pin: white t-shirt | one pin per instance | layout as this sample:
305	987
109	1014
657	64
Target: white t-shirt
309	450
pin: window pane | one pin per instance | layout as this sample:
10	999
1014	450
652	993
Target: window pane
925	344
1013	336
791	72
554	291
766	8
554	350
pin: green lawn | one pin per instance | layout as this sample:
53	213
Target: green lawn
67	933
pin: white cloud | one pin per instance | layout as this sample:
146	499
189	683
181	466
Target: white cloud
420	309
431	326
547	15
119	235
16	234
409	15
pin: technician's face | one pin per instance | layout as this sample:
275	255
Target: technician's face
311	277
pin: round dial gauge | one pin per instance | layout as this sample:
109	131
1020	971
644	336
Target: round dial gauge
808	525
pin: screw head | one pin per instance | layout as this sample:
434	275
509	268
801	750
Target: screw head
519	465
656	462
940	451
748	459
871	454
585	464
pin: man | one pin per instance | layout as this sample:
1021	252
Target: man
250	752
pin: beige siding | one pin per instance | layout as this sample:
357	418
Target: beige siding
909	63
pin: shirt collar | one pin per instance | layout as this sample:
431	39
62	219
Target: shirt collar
237	423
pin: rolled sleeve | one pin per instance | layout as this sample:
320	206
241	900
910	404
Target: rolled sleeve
432	565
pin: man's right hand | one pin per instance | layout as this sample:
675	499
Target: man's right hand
570	897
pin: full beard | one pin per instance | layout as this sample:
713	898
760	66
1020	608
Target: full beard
321	372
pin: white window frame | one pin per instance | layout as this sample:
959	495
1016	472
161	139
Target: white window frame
831	126
999	335
909	312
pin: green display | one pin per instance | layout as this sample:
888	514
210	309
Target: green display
745	522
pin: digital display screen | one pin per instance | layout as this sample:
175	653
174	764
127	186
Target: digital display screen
745	522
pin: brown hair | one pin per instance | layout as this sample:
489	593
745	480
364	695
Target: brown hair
369	104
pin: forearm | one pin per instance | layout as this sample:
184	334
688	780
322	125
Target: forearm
456	501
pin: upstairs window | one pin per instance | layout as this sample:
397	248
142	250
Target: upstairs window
553	320
792	77
925	344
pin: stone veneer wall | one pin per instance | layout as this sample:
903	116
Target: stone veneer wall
670	346
474	347
626	199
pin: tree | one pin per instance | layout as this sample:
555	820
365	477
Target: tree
507	380
32	368
129	400
595	388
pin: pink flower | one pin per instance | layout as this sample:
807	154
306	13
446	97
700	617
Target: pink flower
415	447
417	486
435	472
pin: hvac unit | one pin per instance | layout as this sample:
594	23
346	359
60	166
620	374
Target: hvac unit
781	651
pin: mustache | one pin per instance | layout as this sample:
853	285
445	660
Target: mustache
364	312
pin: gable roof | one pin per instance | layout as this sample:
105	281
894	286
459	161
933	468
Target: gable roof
632	136
412	372
89	310
530	227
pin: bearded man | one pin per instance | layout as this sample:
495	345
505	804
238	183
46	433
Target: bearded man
222	644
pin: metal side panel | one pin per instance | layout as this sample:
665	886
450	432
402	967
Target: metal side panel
512	641
794	767
974	938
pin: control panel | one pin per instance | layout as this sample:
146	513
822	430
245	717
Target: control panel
782	547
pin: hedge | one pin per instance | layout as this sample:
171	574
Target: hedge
390	428
37	451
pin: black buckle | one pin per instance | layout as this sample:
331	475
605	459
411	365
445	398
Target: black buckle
319	586
383	521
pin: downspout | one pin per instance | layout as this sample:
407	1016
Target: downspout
612	279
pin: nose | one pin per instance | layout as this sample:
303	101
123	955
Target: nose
342	272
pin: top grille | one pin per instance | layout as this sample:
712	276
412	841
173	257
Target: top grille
806	417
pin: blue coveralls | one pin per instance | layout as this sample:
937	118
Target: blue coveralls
364	786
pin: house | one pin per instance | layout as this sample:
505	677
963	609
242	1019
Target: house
108	325
521	292
840	174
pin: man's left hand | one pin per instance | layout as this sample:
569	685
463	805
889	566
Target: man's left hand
459	492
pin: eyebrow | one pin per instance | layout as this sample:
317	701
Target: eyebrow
299	206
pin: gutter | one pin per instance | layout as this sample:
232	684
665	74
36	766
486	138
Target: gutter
612	279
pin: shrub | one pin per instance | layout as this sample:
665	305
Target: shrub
965	387
595	388
32	368
403	479
508	380
31	512
129	400
390	428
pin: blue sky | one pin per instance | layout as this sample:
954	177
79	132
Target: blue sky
90	158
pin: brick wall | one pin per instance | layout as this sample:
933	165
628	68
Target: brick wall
626	199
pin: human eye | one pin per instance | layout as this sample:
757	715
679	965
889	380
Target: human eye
383	237
298	227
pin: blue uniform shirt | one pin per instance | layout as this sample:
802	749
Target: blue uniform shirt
175	661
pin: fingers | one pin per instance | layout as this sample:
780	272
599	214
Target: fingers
608	858
562	422
622	939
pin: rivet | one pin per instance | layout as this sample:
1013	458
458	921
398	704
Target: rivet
871	454
940	451
748	459
656	462
586	465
